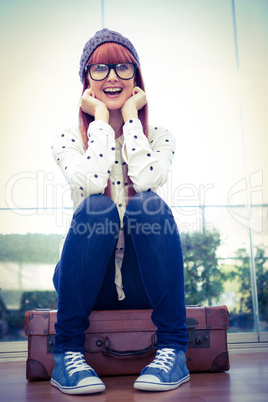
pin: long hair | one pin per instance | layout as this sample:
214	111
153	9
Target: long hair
112	53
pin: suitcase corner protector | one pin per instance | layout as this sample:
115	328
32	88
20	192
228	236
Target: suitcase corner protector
36	370
221	362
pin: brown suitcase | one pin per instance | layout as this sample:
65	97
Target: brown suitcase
123	342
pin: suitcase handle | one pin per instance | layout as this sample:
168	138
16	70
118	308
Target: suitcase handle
128	354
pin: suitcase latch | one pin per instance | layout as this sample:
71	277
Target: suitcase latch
198	338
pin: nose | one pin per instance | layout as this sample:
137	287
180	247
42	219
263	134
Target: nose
112	75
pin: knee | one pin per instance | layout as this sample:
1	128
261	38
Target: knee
147	203
97	206
147	207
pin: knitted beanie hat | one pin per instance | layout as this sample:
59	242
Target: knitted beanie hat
100	37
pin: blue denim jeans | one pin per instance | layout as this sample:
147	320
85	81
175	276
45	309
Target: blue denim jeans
152	269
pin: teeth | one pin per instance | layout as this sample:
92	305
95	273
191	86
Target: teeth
112	89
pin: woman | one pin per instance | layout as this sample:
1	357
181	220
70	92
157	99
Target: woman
123	249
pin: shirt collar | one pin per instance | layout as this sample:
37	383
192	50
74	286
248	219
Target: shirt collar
120	139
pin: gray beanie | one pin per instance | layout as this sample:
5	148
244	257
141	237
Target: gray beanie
100	37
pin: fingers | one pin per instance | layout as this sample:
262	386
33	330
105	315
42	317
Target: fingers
89	92
85	99
91	105
141	97
136	90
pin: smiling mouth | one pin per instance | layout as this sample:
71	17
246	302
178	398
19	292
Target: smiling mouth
112	91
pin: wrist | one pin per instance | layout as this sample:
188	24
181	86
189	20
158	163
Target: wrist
129	113
102	114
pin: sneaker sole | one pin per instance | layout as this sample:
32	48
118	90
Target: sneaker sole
85	389
159	386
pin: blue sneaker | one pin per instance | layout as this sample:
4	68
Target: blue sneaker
168	371
72	375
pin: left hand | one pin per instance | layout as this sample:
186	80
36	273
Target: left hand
133	104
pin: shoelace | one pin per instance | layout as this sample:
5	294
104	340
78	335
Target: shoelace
163	360
76	362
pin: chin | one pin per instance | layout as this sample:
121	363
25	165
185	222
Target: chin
114	107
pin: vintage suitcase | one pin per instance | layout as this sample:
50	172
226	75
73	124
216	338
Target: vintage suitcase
123	342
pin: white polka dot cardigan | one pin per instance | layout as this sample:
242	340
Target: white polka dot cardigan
146	161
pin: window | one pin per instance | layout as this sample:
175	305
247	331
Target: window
215	103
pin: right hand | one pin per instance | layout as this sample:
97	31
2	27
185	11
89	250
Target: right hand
94	107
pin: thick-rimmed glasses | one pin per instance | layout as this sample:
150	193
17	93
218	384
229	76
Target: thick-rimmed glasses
99	72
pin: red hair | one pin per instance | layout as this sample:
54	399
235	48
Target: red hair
112	53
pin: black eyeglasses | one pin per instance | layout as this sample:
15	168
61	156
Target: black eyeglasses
99	72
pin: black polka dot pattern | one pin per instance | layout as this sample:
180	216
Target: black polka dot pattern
144	159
